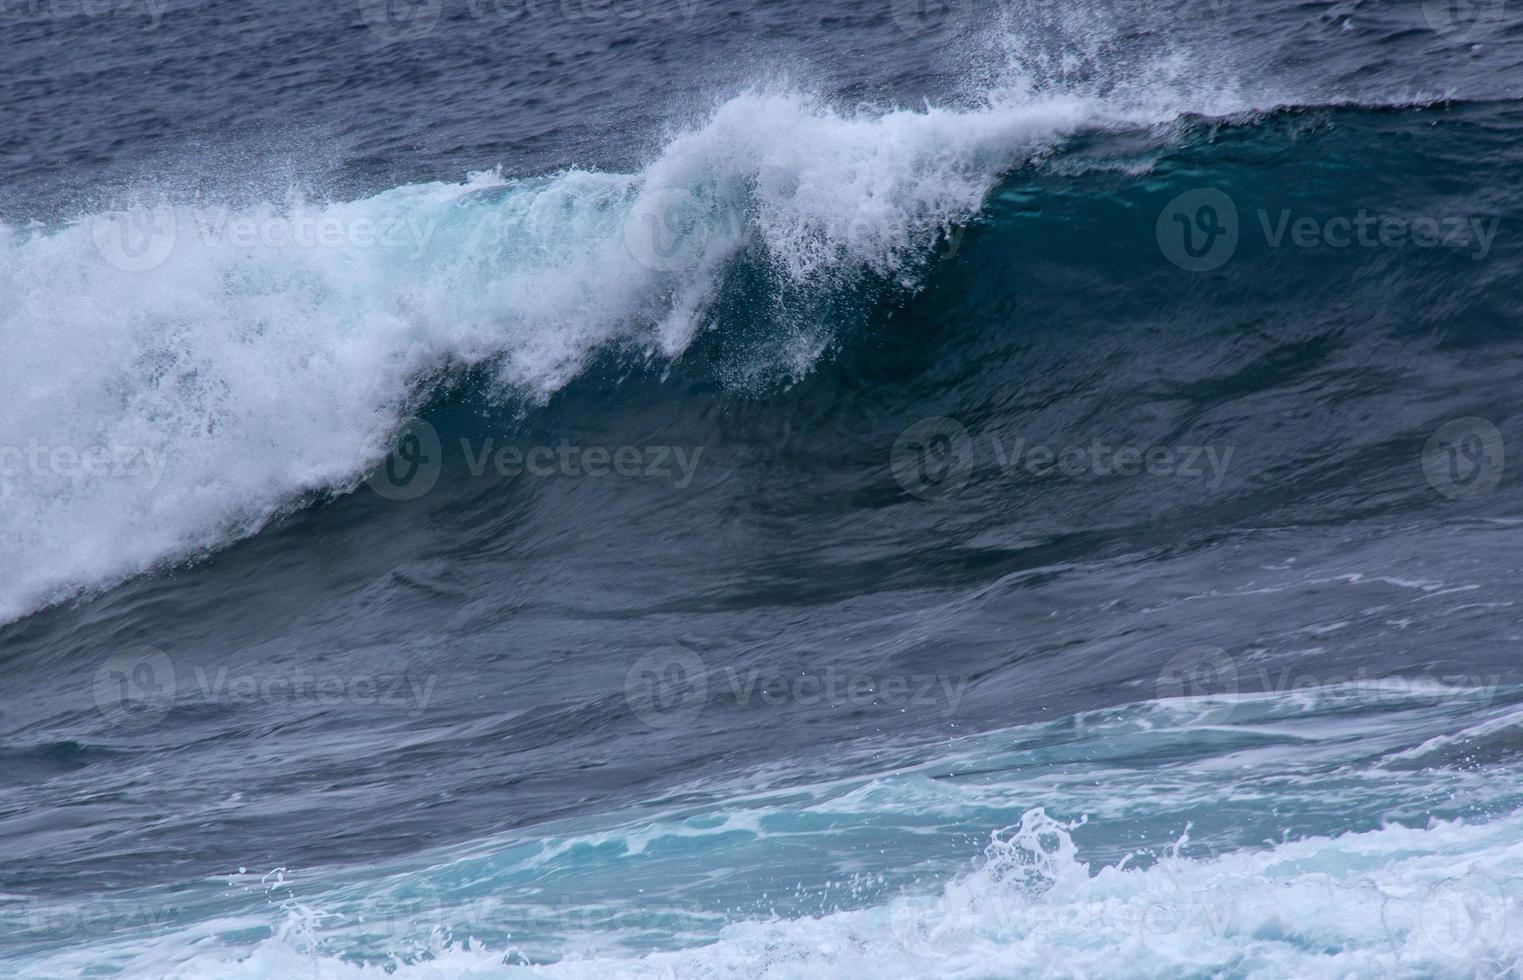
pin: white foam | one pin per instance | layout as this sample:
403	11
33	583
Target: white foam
1398	901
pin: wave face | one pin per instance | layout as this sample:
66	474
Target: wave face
229	361
833	491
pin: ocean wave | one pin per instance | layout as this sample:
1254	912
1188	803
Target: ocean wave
184	373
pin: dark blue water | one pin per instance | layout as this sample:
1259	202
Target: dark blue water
665	489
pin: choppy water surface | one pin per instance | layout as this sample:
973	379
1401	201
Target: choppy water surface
668	489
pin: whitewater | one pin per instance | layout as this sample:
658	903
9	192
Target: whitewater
1439	898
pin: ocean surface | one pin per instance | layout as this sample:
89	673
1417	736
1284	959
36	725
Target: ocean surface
681	488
